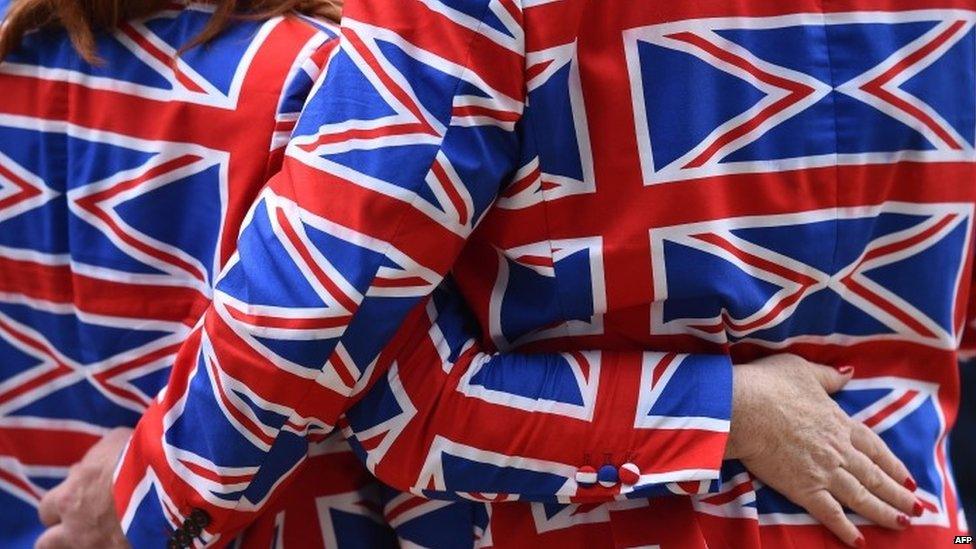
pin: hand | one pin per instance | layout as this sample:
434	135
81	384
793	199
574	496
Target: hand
792	436
80	512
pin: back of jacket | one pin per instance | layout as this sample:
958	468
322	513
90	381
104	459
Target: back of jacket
747	178
117	209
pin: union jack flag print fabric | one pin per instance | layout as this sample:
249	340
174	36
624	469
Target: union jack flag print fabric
694	183
122	189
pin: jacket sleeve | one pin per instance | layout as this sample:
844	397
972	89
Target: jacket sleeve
402	146
449	420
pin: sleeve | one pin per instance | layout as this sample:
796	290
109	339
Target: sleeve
449	420
402	146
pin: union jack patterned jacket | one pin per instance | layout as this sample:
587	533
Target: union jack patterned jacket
113	227
713	181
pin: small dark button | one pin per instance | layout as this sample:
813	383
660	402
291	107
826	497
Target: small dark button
192	528
183	538
200	518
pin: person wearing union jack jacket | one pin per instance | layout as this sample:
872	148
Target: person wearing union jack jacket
783	186
135	218
116	208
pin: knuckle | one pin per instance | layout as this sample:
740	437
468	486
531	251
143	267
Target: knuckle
67	503
827	457
861	499
873	481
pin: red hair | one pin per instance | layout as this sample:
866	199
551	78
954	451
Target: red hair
82	18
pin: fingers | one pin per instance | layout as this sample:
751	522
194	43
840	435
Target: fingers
823	507
48	508
876	481
879	483
852	494
53	538
871	445
832	380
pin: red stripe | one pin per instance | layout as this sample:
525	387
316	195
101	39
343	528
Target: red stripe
314	323
342	370
474	110
727	497
908	242
661	367
160	56
428	242
406	282
312	265
60	369
756	261
886	306
407	505
214	476
372	442
285	125
365	134
537	69
239	416
522	184
452	193
583	364
797	90
886	412
92	204
27	191
874	87
512	9
58	447
9	477
535	260
56	283
105	378
388	82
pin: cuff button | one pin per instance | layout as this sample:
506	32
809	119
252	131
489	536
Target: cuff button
607	476
192	528
586	476
181	538
200	518
629	474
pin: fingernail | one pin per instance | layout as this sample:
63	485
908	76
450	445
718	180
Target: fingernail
859	542
918	509
910	484
846	370
903	521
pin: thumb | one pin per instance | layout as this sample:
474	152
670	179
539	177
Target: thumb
47	510
831	379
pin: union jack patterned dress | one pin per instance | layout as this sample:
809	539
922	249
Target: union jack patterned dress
122	188
708	181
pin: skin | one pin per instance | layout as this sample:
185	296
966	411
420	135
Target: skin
793	437
80	512
785	429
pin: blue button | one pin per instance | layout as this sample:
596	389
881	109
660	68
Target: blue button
607	476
